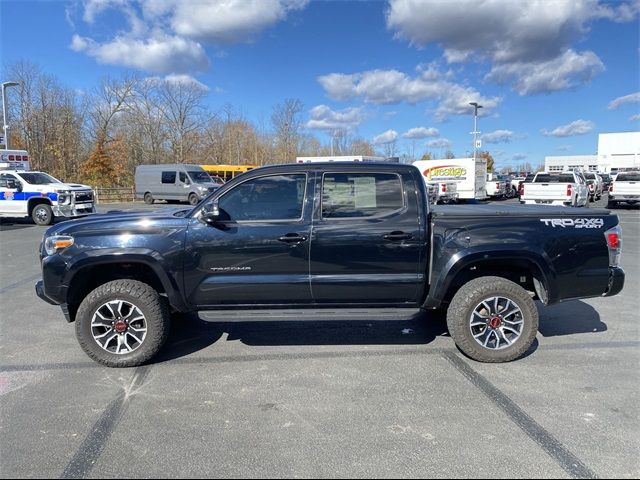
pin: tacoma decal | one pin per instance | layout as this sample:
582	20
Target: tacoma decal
573	222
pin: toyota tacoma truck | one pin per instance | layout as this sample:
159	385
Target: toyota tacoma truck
326	235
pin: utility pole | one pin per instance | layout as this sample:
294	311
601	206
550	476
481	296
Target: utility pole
5	127
475	132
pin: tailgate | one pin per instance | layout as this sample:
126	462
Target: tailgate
545	191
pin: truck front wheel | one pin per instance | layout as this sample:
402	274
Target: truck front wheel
42	214
122	323
492	319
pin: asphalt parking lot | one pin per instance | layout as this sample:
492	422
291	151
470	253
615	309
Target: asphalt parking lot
283	394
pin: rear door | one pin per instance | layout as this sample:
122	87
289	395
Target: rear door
366	238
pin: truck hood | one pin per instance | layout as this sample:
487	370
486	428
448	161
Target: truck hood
63	186
119	221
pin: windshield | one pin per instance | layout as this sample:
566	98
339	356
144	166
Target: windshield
200	176
38	178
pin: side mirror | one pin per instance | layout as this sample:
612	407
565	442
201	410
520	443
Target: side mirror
213	215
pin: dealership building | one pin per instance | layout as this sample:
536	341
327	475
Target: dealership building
617	152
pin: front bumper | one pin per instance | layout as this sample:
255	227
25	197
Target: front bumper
616	282
42	295
74	209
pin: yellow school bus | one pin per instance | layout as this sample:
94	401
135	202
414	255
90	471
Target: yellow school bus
227	172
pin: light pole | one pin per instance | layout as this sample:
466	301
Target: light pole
5	127
475	127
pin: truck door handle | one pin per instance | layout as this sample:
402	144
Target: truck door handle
292	238
393	236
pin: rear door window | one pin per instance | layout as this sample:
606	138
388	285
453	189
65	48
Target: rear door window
358	195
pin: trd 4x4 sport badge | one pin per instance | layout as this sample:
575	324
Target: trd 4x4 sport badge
573	222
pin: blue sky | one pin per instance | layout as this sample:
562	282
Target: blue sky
551	74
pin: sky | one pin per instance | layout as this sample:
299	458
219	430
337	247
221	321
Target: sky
550	74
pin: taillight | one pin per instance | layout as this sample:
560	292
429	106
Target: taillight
614	243
444	188
611	188
498	186
569	190
521	189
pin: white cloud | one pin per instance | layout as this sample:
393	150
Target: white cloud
498	136
507	32
439	143
565	71
324	118
161	54
223	21
166	36
182	79
421	132
631	98
634	118
390	87
386	137
579	127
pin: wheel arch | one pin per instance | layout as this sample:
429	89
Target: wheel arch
527	269
85	276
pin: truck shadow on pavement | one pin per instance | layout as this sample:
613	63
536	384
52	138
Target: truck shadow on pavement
190	333
569	318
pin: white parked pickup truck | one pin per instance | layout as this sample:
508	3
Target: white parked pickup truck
625	188
567	188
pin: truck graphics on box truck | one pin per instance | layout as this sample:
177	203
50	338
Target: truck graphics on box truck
469	176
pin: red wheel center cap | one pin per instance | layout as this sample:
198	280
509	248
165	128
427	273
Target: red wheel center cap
495	322
120	326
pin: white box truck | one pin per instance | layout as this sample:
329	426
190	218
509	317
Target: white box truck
469	176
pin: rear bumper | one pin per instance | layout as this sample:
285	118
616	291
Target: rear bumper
624	198
616	282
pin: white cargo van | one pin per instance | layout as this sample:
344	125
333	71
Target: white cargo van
469	176
173	182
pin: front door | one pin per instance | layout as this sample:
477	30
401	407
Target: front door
366	243
259	252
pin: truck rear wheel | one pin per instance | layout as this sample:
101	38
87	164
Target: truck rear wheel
193	199
42	214
123	323
492	319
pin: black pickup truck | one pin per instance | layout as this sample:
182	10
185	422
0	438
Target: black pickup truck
326	234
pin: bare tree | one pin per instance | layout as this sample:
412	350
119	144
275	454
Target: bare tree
184	114
286	121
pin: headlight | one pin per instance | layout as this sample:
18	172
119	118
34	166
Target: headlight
56	243
64	198
65	192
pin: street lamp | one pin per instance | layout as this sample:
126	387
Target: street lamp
5	127
475	132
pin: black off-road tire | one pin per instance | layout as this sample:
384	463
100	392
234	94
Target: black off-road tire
473	293
42	214
148	198
153	307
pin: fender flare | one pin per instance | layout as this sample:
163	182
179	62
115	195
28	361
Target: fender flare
466	258
145	256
